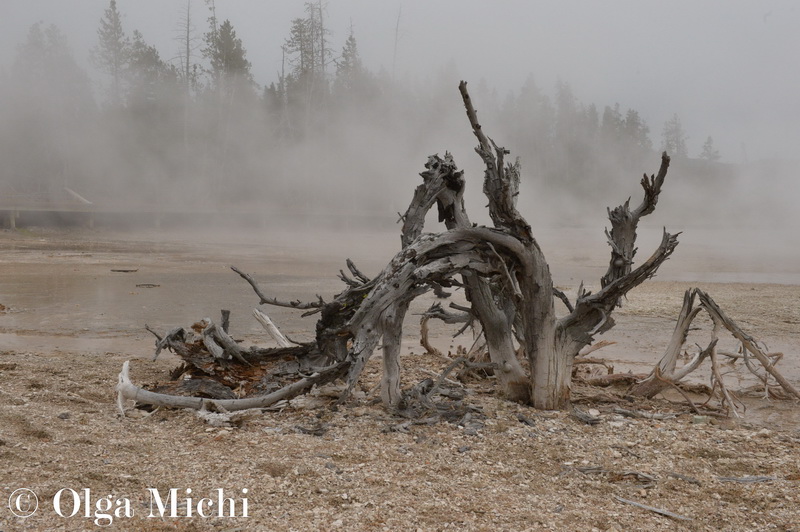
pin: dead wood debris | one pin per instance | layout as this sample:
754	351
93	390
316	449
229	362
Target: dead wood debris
216	368
509	287
659	511
685	478
758	361
644	480
748	479
642	415
584	417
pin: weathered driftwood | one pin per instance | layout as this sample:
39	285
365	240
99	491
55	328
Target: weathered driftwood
444	184
665	374
173	340
271	328
659	511
748	479
748	342
624	222
551	344
584	417
642	415
216	370
728	399
502	269
126	390
611	379
652	385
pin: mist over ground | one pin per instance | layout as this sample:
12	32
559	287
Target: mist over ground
282	113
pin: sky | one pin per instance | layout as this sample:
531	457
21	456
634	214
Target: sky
728	68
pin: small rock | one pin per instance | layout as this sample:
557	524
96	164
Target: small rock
764	433
594	412
63	415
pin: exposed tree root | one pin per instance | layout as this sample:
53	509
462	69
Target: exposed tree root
509	288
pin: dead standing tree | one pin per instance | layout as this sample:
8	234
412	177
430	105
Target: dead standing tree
506	276
507	256
552	344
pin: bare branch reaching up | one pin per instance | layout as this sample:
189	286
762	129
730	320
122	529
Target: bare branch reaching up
624	223
500	185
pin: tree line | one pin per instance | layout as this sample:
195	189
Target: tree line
200	131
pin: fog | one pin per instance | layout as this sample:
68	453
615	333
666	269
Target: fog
583	92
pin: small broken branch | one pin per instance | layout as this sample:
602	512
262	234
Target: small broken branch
642	415
658	376
584	417
595	347
220	344
356	272
271	328
716	377
423	337
748	479
665	513
457	362
563	297
173	340
264	300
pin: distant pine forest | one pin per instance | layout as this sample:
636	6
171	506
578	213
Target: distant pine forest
328	135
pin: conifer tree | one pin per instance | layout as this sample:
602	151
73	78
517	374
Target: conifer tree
674	138
710	153
112	53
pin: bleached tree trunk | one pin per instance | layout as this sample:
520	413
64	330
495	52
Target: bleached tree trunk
551	345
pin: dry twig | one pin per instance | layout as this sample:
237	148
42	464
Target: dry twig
665	513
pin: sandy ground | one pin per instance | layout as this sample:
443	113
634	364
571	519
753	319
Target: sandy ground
67	323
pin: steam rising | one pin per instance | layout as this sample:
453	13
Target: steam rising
340	144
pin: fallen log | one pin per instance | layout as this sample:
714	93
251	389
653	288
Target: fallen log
126	390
